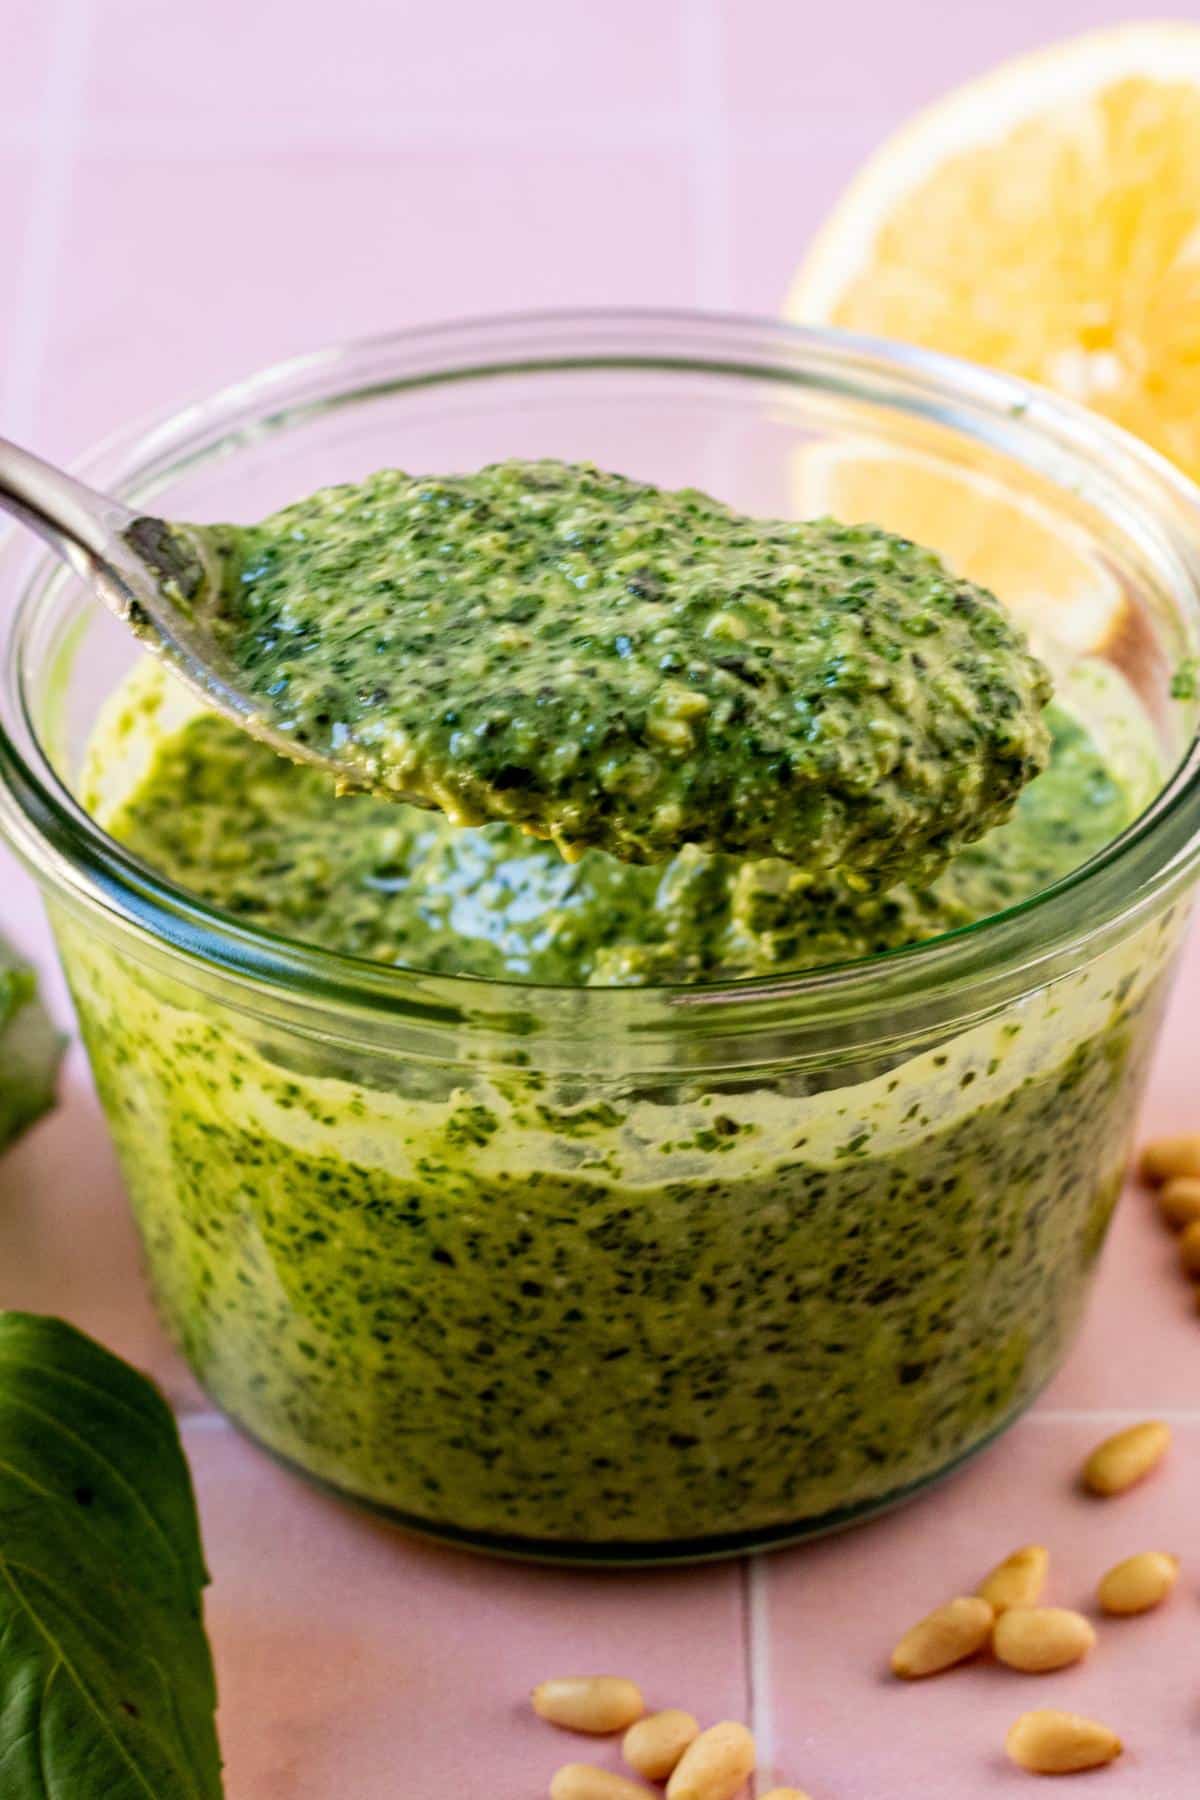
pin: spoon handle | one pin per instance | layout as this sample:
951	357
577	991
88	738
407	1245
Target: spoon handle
80	524
161	579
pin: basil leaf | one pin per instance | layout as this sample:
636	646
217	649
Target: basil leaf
30	1049
106	1679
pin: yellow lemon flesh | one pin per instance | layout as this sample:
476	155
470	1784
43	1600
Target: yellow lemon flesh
1044	220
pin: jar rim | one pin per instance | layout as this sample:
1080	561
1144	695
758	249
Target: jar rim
1157	855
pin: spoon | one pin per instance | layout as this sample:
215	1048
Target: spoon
156	576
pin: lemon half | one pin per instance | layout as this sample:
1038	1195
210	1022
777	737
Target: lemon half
1044	220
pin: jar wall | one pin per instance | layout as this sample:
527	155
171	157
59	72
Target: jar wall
657	1272
639	1324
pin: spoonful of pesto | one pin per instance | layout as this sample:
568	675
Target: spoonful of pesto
596	659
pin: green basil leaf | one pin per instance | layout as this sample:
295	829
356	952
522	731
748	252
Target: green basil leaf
30	1049
106	1678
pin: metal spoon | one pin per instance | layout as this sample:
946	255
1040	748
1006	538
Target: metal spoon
158	577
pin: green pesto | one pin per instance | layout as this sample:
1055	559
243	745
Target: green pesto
271	843
651	1319
607	664
601	1315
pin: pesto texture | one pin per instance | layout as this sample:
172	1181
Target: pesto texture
583	1312
607	664
272	844
588	1315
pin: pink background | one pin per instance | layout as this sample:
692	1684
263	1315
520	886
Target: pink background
189	190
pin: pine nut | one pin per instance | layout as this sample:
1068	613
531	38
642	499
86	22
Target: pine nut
1189	1249
1060	1743
787	1794
592	1703
1036	1639
944	1637
1126	1457
580	1781
714	1765
654	1745
1138	1583
1167	1157
1018	1580
1179	1201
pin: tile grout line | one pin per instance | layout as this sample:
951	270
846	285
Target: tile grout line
42	251
709	156
578	132
756	1615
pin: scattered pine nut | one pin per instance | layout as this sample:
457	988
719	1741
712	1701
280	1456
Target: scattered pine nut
580	1781
1189	1248
787	1794
1138	1583
1060	1743
655	1744
714	1765
1179	1201
1126	1457
1036	1639
944	1637
1018	1580
592	1703
1166	1158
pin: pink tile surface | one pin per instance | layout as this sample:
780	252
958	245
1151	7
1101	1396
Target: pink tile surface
247	70
16	208
190	190
766	183
308	247
825	1621
355	1662
29	30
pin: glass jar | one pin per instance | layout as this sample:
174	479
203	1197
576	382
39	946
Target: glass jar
635	1274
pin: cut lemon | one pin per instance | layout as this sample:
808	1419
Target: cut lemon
1044	220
